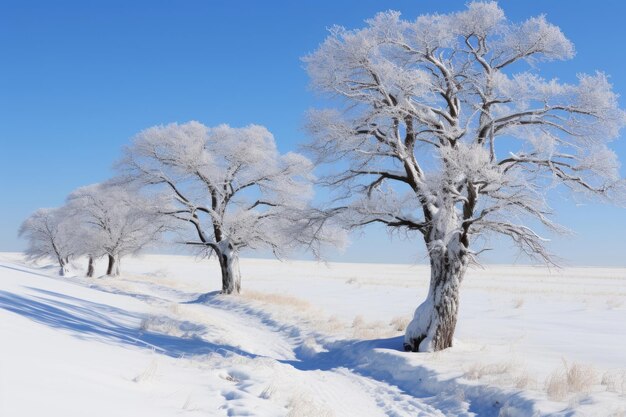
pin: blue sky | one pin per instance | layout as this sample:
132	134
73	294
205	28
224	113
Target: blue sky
79	78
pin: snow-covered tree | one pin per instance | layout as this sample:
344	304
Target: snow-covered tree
87	238
50	234
113	221
450	132
231	188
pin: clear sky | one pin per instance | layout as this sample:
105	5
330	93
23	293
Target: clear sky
79	78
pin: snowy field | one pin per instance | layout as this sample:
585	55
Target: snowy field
306	339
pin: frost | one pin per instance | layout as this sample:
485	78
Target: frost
228	189
448	130
480	19
114	221
50	234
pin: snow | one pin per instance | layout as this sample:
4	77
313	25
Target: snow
304	339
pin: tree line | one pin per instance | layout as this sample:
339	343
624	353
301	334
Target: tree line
218	190
443	130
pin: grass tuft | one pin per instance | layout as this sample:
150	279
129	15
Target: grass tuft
570	379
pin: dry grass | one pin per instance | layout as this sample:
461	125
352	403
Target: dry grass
556	385
268	392
148	373
304	405
188	405
576	378
276	299
362	329
506	373
358	321
580	378
332	325
479	370
524	381
400	323
615	381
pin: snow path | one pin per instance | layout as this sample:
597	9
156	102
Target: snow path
389	399
286	346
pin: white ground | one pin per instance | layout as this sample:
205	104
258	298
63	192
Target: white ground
306	339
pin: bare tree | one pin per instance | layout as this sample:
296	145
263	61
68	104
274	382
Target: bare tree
450	133
113	221
50	235
231	186
87	237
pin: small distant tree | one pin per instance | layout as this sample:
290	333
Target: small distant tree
50	234
232	187
86	240
449	132
113	221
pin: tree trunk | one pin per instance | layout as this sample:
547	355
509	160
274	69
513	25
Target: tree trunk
63	263
434	322
90	267
63	267
229	264
114	265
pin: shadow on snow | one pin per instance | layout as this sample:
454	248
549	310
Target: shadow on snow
89	320
379	359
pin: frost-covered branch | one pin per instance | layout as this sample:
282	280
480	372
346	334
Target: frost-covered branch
445	127
230	184
50	234
429	101
114	221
